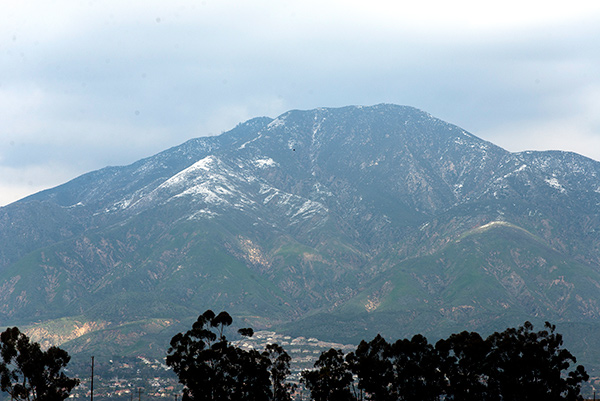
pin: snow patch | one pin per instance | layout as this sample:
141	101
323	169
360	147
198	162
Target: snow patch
553	182
278	122
264	163
320	189
270	197
203	214
123	204
202	191
308	208
523	167
243	146
205	165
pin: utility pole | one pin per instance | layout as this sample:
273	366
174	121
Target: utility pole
139	393
92	385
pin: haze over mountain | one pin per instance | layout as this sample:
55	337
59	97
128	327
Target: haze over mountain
336	223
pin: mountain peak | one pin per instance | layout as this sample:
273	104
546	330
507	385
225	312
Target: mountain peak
306	218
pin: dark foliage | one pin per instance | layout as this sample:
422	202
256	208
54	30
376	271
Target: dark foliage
405	370
279	369
517	364
332	378
29	373
526	365
417	376
374	369
463	358
211	368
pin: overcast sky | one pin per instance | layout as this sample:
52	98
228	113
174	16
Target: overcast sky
86	84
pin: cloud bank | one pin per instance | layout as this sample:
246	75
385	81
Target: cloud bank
96	83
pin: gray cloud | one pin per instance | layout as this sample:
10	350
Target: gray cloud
102	83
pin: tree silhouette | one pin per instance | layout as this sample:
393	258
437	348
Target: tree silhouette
526	365
372	365
28	373
249	375
331	380
279	369
417	376
517	364
463	359
211	368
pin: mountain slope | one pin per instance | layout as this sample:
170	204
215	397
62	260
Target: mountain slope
488	277
332	222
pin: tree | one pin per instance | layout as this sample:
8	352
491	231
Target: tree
526	365
29	373
516	364
249	375
373	368
331	380
417	376
210	368
463	359
279	369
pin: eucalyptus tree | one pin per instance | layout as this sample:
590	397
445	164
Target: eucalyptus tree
464	360
373	369
211	368
279	369
526	365
29	373
331	380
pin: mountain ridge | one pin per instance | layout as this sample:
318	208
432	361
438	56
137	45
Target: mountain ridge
307	219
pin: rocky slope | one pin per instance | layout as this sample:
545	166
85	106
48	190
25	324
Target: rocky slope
333	222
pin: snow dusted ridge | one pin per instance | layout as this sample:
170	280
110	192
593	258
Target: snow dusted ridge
278	122
216	186
181	177
209	181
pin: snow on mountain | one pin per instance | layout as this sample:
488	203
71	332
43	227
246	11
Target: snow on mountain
211	185
384	210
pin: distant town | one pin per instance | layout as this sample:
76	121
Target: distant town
143	378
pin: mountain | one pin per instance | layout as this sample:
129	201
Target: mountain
338	223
